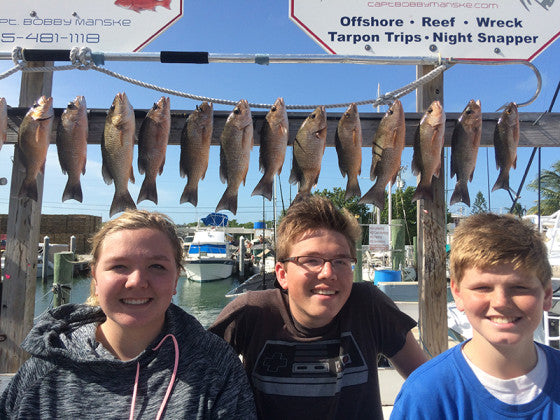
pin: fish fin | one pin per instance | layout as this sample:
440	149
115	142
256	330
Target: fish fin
107	177
375	196
29	189
121	202
416	155
295	174
228	201
352	188
223	166
148	191
502	182
264	187
166	4
471	175
190	194
460	194
514	163
142	165
161	167
423	192
132	175
72	191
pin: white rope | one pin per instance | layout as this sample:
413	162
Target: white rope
81	59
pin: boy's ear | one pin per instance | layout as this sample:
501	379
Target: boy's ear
281	275
456	292
547	303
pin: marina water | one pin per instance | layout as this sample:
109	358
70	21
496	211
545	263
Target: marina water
204	301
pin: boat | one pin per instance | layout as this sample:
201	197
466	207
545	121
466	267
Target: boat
209	256
259	281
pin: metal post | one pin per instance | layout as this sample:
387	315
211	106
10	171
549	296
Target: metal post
397	243
358	266
241	257
45	268
62	281
73	244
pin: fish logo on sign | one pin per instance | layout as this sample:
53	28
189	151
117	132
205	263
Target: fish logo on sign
141	5
544	3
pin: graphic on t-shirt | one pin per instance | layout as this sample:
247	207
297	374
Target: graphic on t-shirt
316	369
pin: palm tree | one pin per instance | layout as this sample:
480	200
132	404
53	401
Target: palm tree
550	190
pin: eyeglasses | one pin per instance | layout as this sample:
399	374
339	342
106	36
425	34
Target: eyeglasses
316	264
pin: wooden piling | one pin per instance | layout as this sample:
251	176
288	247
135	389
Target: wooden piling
62	281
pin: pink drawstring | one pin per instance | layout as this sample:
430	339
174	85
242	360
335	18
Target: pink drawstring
171	382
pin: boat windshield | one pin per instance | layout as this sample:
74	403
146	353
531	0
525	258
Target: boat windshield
207	248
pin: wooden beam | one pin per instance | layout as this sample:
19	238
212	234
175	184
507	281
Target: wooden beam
544	134
20	269
432	282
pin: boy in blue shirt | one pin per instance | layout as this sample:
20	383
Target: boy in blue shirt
501	279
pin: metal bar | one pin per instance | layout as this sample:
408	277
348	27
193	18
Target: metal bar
64	55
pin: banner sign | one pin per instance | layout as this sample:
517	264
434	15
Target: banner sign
102	25
379	238
482	30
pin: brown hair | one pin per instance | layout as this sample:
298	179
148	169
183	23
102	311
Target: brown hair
487	240
132	220
312	213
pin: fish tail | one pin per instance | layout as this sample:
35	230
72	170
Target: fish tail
264	188
72	191
29	190
460	194
352	188
228	201
375	196
502	182
166	3
148	191
121	202
423	192
190	194
301	195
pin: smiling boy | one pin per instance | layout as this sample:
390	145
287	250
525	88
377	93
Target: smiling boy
310	346
501	279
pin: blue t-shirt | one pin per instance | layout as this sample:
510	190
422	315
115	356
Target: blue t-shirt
446	388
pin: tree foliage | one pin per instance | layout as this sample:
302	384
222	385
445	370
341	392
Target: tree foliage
479	205
550	190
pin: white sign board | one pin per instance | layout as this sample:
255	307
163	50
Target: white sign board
101	25
477	29
379	238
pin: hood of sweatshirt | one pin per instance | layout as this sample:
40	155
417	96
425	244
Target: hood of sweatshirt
67	334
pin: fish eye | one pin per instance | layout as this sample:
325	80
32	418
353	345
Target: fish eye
155	106
236	111
468	112
273	109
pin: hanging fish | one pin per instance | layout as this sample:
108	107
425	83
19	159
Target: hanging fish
117	147
152	145
308	148
464	150
236	144
195	150
33	142
274	140
428	143
387	148
3	121
506	140
348	143
71	144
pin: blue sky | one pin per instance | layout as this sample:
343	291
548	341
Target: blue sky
252	26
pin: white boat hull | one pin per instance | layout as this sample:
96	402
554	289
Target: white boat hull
209	269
